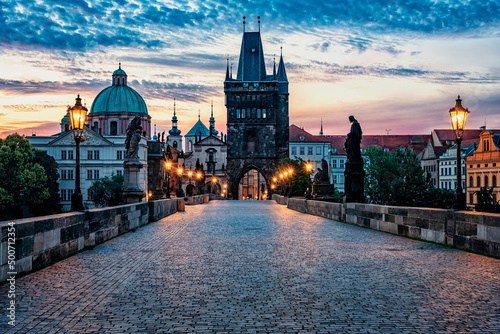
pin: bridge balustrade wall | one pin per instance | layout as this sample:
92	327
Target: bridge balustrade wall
474	231
42	241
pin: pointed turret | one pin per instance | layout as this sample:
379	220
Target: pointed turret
174	131
227	70
321	131
281	69
274	69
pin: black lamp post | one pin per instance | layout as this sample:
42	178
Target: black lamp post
458	115
77	114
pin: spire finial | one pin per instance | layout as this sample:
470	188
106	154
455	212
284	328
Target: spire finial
120	65
212	105
321	131
174	106
258	18
198	114
244	17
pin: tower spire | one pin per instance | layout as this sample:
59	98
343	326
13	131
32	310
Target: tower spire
244	24
281	68
174	106
274	67
258	18
321	131
227	69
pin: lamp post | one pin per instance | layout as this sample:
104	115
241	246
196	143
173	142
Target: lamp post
458	115
290	172
168	167
309	171
77	114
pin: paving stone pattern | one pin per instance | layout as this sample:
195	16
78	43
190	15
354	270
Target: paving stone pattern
257	267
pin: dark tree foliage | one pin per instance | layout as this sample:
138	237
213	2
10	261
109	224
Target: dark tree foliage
299	181
52	204
397	178
485	201
107	191
22	181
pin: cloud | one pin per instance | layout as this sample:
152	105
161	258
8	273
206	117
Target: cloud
154	24
29	107
17	87
180	91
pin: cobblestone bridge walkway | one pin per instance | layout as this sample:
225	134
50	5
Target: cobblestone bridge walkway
257	267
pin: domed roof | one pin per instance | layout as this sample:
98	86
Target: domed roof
66	119
174	132
197	129
119	99
119	72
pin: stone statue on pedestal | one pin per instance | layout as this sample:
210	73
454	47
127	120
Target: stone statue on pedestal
354	173
132	186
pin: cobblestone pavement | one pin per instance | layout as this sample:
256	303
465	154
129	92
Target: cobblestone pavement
257	267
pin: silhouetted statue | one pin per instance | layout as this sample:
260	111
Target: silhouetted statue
134	132
353	142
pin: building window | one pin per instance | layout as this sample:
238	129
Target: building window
113	128
93	154
294	150
89	174
478	181
96	174
264	113
471	181
190	145
64	155
471	198
119	155
486	181
309	150
318	150
334	163
494	181
119	172
341	163
89	195
302	150
243	113
259	113
92	174
334	178
238	113
66	194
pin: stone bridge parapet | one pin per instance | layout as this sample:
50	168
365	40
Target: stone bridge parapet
473	231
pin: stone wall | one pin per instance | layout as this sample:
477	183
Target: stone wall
474	231
42	241
198	199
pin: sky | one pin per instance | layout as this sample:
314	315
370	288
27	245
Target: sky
397	66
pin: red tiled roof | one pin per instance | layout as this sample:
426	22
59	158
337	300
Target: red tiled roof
449	134
295	133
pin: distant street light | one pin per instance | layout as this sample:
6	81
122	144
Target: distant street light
77	114
168	167
309	168
458	115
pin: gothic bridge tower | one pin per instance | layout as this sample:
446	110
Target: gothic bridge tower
257	120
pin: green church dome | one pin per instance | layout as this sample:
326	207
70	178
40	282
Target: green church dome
119	98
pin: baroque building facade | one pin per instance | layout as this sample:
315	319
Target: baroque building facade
257	120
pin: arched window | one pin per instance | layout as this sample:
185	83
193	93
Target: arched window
486	180
494	181
190	145
471	181
478	181
175	144
113	128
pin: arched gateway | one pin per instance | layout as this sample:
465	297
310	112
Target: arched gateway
257	118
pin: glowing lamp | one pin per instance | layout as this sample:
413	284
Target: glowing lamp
458	115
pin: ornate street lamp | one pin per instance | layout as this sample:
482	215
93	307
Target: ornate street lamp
309	168
458	115
168	167
77	114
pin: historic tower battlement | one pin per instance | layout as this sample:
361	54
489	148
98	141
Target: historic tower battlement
257	114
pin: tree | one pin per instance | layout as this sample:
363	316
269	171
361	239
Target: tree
397	178
299	182
21	179
485	201
107	191
52	204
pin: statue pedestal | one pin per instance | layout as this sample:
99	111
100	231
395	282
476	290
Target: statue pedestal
132	185
354	182
322	190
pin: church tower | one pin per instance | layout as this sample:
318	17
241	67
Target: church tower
174	134
257	116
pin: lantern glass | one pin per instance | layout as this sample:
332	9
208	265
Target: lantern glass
77	114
